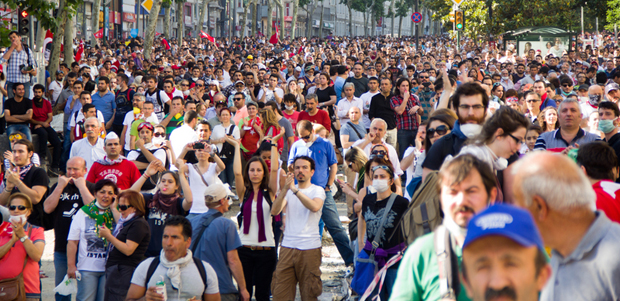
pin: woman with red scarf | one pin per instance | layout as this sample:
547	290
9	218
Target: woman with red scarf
166	201
257	185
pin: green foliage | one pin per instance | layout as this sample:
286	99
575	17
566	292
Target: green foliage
613	13
41	9
402	8
166	3
4	34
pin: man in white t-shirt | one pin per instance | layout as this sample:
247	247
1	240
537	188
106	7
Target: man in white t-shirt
300	252
271	93
55	87
184	284
146	113
373	86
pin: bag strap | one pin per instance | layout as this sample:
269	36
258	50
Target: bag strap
25	259
425	224
201	270
443	250
195	165
231	128
151	270
386	211
204	227
354	129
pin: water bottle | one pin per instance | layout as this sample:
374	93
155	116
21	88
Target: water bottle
160	288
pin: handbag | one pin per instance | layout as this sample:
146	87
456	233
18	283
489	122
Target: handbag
13	289
366	266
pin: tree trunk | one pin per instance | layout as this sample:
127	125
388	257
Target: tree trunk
40	38
58	39
321	22
244	19
94	22
167	18
373	25
150	30
68	41
254	12
350	4
309	19
392	17
282	23
366	23
269	26
400	26
294	22
203	13
180	20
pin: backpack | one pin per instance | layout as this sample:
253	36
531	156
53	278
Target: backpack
155	263
201	231
449	285
245	201
228	150
424	212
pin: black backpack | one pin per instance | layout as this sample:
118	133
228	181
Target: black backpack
155	263
228	150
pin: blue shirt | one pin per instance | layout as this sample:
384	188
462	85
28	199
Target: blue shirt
217	240
323	154
338	85
105	104
68	111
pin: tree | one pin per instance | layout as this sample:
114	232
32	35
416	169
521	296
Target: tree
321	22
253	17
150	30
402	10
269	19
613	13
40	9
349	4
304	5
68	41
94	21
294	21
180	19
244	18
167	5
362	6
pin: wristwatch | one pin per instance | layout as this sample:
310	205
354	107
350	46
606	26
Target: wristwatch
23	239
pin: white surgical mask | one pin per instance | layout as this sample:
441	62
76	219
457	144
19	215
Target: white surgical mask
290	108
186	93
20	219
158	140
301	85
308	144
470	129
453	227
380	185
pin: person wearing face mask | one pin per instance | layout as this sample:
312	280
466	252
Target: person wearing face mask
595	97
499	142
608	113
466	187
86	243
378	221
21	246
471	103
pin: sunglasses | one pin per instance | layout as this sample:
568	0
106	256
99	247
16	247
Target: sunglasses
533	100
380	167
200	85
423	76
159	135
14	207
440	130
305	137
15	136
184	85
238	99
123	207
350	165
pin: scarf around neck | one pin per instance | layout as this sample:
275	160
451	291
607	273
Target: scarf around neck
165	203
106	161
106	218
174	268
247	215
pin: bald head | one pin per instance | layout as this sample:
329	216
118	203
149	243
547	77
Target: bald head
595	90
555	179
76	167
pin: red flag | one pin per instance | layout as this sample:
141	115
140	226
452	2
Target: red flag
157	33
203	34
301	48
99	34
165	44
274	37
80	52
49	36
208	37
115	66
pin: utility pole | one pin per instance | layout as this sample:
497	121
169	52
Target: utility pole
417	33
582	20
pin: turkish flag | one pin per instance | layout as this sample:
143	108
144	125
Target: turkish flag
49	37
80	52
99	34
208	37
203	34
301	48
164	43
274	37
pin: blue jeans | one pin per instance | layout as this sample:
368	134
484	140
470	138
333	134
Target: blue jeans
228	175
60	265
388	283
66	149
404	139
334	226
9	89
91	287
24	128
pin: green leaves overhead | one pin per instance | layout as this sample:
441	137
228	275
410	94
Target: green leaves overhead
42	10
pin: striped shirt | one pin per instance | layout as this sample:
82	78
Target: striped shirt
554	139
17	59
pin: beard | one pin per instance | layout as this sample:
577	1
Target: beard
465	120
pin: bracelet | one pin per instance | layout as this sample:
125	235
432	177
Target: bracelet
295	192
147	176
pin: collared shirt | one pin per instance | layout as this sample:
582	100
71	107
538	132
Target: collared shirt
405	121
105	103
90	153
592	270
17	59
554	139
366	98
344	105
391	154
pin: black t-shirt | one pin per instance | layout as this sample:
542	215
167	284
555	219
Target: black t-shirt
123	105
516	77
325	96
136	230
69	204
373	211
380	107
156	220
36	177
17	108
361	85
450	144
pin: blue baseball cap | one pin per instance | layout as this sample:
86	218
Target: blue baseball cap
504	220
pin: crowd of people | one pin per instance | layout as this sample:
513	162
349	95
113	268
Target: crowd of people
506	163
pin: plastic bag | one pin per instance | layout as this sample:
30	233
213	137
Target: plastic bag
67	287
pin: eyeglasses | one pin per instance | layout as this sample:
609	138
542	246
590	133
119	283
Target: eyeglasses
15	136
159	135
239	86
517	140
184	85
423	77
200	85
14	207
123	207
440	130
468	107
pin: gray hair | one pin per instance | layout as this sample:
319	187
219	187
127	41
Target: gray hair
569	100
348	85
140	95
312	96
563	192
375	120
